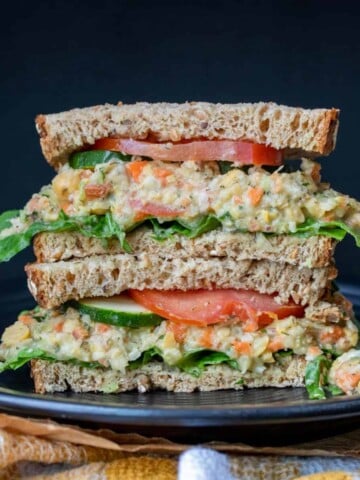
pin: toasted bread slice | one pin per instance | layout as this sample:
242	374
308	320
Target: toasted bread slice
297	131
52	377
106	275
313	252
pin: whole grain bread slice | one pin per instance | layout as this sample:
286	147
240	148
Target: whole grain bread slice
313	252
53	284
297	131
50	377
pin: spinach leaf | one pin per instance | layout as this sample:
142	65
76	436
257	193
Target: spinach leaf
334	390
27	354
146	357
335	229
195	362
225	166
90	158
163	231
100	226
316	377
24	356
6	217
283	353
104	227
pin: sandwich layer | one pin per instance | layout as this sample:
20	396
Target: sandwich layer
300	132
255	200
112	199
313	252
71	335
50	377
53	284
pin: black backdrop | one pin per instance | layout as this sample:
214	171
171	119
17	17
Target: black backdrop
57	55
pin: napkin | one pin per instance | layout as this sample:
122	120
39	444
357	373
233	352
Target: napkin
44	450
206	464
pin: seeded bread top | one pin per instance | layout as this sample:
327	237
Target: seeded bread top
298	131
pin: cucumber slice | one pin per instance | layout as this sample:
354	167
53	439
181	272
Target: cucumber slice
93	157
120	311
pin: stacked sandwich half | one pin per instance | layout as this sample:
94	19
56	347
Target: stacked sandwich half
181	247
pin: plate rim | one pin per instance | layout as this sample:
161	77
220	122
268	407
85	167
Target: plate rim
205	415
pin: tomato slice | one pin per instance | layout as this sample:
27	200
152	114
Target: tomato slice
206	307
244	153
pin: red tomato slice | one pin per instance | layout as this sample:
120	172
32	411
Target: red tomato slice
206	307
244	153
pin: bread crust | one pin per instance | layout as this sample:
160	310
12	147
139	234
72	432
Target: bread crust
313	252
50	377
297	131
52	284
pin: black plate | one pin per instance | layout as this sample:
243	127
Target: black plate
158	411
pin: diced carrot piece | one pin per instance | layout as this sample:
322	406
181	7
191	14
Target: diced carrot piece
255	195
178	329
206	339
135	168
162	174
331	336
93	191
275	345
79	333
102	327
242	348
66	206
314	351
59	327
26	319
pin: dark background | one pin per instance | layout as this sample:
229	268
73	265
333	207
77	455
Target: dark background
58	55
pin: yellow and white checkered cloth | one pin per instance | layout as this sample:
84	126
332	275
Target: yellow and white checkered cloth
35	450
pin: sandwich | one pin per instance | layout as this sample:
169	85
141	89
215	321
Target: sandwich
184	247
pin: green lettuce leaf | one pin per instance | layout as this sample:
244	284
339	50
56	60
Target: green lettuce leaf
6	217
316	377
334	390
163	231
89	159
195	362
283	353
153	354
100	226
25	355
336	229
105	227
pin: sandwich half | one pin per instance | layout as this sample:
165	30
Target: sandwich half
182	247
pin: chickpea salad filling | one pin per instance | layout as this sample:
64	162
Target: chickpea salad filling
69	334
108	199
